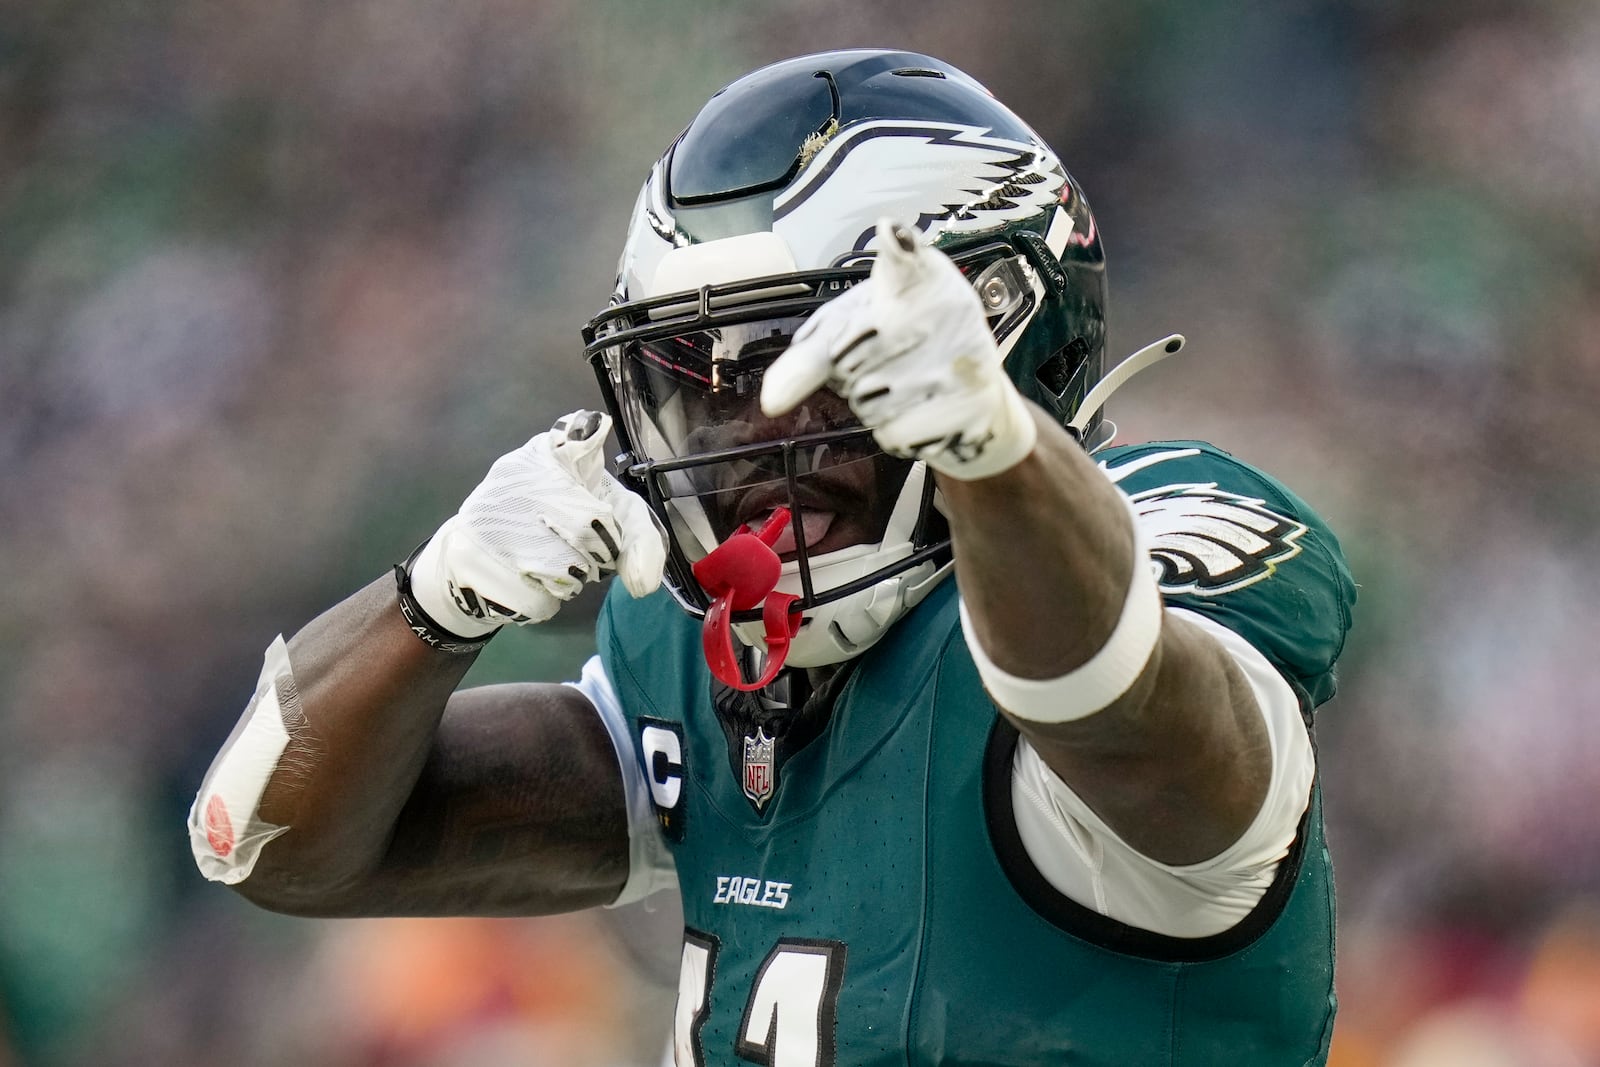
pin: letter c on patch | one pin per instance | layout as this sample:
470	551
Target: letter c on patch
663	761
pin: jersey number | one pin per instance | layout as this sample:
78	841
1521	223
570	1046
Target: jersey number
791	1017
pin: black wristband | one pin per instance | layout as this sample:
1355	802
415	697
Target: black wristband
421	623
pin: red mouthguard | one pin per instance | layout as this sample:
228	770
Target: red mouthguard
739	574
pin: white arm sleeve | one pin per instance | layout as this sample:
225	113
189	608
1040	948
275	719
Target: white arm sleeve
1087	862
650	866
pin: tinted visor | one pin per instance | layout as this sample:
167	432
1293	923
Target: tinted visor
692	405
682	372
700	392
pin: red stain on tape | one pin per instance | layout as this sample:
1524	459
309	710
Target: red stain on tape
219	828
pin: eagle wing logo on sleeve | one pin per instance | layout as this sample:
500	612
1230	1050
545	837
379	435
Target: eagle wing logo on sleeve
1208	541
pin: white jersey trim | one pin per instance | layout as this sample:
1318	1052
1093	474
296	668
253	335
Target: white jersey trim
1085	860
650	866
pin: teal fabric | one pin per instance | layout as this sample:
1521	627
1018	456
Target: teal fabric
1296	610
902	936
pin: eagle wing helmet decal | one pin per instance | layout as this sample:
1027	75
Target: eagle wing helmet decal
1208	541
950	178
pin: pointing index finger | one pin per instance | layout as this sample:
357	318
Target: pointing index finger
795	375
902	255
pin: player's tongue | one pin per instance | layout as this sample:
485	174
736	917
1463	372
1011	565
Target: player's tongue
814	523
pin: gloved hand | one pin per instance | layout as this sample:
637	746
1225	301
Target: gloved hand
911	351
546	519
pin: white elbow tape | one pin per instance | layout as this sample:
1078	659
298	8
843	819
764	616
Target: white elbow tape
1094	685
225	833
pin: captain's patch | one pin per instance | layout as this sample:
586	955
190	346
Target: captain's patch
662	751
1208	541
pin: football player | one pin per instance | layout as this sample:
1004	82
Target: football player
966	735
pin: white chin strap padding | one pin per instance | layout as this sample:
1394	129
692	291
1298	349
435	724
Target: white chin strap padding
1096	398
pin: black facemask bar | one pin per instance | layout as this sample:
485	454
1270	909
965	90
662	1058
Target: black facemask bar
777	296
997	272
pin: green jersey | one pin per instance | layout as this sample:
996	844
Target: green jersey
855	891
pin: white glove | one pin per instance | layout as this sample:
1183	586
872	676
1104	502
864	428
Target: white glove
911	351
546	519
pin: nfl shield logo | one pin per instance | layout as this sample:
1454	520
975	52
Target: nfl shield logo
759	768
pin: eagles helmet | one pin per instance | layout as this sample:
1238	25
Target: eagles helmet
760	212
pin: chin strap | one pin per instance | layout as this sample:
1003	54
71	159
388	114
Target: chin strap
739	574
1096	398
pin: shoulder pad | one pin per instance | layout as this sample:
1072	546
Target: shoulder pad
1234	544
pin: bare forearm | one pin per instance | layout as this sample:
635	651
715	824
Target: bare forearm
370	696
1178	763
1044	552
517	810
399	795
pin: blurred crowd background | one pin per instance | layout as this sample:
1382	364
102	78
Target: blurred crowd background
279	280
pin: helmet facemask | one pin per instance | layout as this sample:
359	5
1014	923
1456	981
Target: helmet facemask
685	384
